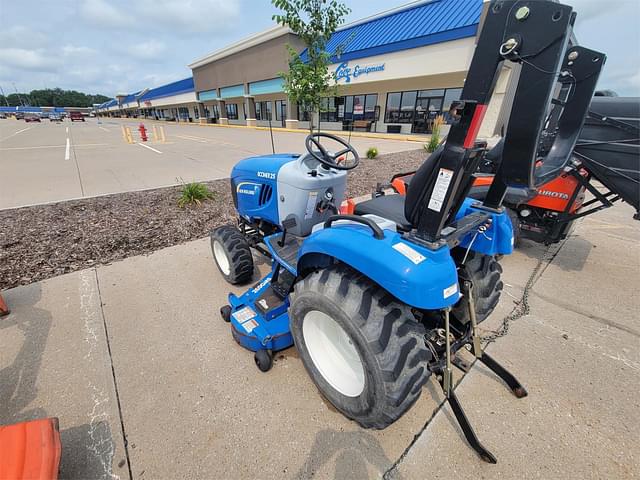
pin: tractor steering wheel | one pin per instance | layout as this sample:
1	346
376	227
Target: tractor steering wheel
338	160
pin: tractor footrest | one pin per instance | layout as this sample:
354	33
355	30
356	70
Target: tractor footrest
286	254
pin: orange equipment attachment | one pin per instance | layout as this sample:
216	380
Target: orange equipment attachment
4	310
30	450
556	194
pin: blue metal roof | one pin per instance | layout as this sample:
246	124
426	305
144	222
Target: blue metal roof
26	109
175	88
131	97
426	23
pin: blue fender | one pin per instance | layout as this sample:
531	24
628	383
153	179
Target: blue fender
415	275
498	239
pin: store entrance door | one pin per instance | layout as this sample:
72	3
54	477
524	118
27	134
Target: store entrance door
281	112
427	109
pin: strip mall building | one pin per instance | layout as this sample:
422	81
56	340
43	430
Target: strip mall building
397	71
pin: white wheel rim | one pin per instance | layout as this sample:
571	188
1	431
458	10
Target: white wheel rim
333	353
221	257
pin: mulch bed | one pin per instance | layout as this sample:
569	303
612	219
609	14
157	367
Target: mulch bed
44	241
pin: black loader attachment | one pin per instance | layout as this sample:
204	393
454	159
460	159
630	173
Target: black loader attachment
553	94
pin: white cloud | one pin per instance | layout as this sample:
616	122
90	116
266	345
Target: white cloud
75	51
21	58
149	50
20	36
192	16
104	14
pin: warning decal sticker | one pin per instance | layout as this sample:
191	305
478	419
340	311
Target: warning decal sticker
440	189
244	314
250	325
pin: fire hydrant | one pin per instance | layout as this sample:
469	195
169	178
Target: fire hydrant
143	132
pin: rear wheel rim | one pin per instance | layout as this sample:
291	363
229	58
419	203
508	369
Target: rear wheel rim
333	353
221	257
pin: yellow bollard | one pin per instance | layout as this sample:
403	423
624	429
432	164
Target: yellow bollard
155	133
124	133
163	138
129	136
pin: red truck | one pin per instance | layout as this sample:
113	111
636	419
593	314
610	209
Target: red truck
73	116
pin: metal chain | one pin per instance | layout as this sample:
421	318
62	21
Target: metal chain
522	307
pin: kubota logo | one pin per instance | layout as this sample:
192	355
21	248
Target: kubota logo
549	193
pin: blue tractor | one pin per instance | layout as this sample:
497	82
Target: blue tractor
377	301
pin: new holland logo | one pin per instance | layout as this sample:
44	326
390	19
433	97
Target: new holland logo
550	194
247	188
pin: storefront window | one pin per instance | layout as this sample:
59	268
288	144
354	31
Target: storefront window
370	107
263	110
392	114
232	111
450	96
196	113
420	108
281	110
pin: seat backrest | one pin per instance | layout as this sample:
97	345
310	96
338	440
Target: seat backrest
421	183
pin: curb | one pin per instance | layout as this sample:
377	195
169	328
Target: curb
383	136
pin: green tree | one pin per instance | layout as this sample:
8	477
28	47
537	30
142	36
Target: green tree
314	21
55	97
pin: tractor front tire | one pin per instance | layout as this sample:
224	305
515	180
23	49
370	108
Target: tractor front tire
232	254
484	271
363	349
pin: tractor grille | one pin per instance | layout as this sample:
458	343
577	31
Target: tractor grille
265	194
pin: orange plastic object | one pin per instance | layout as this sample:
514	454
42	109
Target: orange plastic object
347	207
399	186
483	181
30	450
4	310
555	195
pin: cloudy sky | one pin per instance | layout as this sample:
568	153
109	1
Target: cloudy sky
110	46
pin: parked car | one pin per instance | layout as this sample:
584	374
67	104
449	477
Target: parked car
54	117
2	115
19	115
76	116
32	117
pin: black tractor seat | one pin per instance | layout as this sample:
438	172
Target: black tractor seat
398	207
390	207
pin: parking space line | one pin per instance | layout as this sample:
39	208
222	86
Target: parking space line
102	128
67	130
184	137
67	150
54	146
150	148
14	134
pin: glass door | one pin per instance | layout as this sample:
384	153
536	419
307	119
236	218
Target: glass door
428	107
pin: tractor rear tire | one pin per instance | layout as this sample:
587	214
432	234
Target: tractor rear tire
232	254
484	271
363	349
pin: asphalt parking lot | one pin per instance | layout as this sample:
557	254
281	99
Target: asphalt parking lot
137	350
49	162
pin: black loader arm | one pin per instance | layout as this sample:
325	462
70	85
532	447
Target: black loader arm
536	34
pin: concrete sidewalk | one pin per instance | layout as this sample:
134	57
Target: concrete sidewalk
137	349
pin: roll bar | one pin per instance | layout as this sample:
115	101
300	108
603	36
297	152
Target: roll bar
548	107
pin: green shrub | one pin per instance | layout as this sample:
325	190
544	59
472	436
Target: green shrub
193	192
372	152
